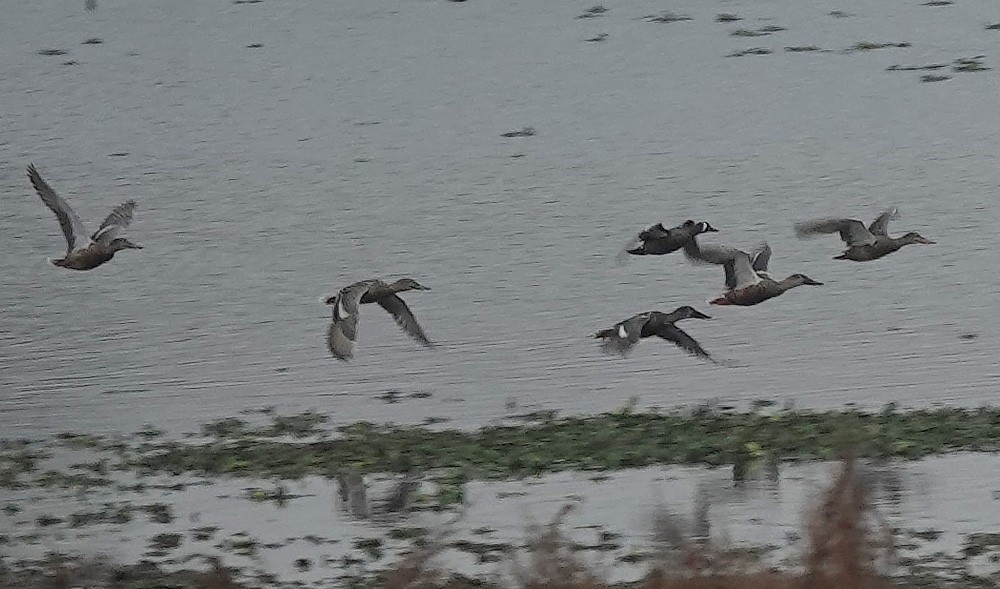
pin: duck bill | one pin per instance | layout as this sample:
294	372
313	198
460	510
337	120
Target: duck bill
330	300
711	229
924	240
812	282
699	315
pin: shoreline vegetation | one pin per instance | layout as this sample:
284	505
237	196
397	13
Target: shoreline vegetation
843	533
609	441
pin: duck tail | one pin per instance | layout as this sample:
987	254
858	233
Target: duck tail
638	251
720	301
840	257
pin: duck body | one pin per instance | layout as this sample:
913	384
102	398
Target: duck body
747	279
621	337
881	247
863	243
767	288
84	253
658	240
342	331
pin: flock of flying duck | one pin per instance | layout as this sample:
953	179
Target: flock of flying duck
747	279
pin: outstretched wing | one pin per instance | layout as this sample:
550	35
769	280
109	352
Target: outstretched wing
71	226
683	340
878	226
852	231
404	318
620	338
760	257
343	330
740	272
115	223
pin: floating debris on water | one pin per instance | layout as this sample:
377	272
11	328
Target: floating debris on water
839	14
802	48
594	11
751	51
525	132
869	46
912	68
255	46
970	64
666	17
93	41
598	38
51	52
726	17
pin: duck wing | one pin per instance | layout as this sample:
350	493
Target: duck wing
620	338
404	318
683	341
115	223
343	330
852	231
879	225
739	269
760	257
71	226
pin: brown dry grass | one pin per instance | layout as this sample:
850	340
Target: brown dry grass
846	543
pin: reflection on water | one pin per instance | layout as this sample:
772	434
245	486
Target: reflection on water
932	505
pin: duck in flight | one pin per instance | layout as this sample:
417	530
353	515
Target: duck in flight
343	329
83	253
747	280
621	337
658	240
863	243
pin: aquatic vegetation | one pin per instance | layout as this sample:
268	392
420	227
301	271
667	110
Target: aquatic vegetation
159	513
601	442
165	541
111	514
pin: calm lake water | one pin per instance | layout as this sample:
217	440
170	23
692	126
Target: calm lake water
363	138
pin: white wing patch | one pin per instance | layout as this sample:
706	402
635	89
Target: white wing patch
621	331
341	311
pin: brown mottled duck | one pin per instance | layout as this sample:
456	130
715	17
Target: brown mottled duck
747	280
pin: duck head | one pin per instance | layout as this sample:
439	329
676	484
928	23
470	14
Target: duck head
704	227
688	312
408	284
121	243
914	237
803	279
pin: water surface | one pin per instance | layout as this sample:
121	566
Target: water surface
363	138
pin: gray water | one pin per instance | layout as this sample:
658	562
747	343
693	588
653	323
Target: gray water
364	139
